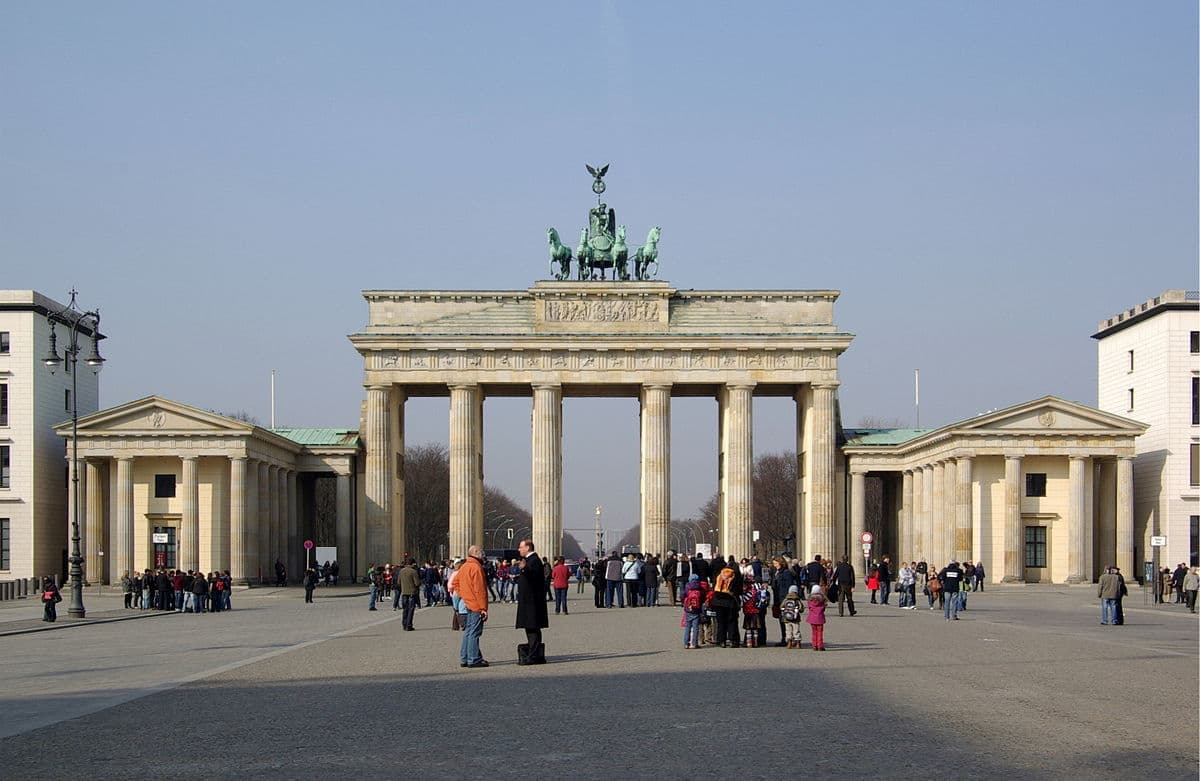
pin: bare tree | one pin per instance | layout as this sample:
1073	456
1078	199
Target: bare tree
775	501
241	415
325	510
875	421
426	499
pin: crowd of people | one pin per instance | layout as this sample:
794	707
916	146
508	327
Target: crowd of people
183	591
1181	582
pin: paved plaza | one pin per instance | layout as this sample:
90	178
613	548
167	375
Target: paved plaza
1027	685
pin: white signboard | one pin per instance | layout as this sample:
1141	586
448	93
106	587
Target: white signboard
323	555
866	549
704	548
160	538
1158	542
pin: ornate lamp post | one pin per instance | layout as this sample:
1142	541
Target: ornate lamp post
75	320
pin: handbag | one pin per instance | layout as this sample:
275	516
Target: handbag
456	622
775	613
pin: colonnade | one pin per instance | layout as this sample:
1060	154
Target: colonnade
385	446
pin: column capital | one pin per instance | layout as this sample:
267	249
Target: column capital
857	471
189	458
1077	457
379	386
662	385
736	385
125	458
463	386
238	458
1125	458
1013	457
826	384
550	386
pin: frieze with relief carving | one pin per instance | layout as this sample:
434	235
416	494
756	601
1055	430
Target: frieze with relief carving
602	360
616	311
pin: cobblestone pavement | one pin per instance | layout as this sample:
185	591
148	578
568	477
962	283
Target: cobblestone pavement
1027	685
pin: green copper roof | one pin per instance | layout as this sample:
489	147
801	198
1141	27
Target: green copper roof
320	437
882	436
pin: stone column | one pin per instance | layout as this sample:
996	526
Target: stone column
800	545
240	560
282	551
1125	516
1076	519
1105	502
858	512
295	546
937	511
738	494
399	541
189	524
69	517
928	535
466	515
824	442
94	562
263	570
656	469
378	478
918	516
1014	530
124	546
907	547
963	511
344	536
547	469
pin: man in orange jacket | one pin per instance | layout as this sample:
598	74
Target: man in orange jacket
471	586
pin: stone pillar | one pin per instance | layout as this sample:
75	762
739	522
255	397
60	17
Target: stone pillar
189	523
821	481
73	488
656	469
737	436
240	560
295	545
937	511
94	562
263	571
858	512
344	536
1014	529
963	510
282	551
907	547
547	469
1076	519
1106	510
928	535
124	546
466	515
378	476
800	545
918	515
399	541
1125	517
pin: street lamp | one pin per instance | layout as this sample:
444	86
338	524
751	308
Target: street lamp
74	319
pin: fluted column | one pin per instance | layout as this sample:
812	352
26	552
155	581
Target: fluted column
124	546
397	397
240	561
1014	531
1076	519
907	548
547	469
466	515
800	546
737	435
344	537
824	442
263	564
1125	516
937	508
917	476
295	546
656	469
189	523
858	512
282	552
378	477
1105	499
93	562
963	510
928	534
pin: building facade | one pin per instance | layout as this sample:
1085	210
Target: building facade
1148	369
34	477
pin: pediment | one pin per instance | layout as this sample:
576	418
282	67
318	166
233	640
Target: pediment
158	415
1051	414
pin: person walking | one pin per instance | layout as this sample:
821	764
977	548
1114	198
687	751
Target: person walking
373	580
650	573
951	578
816	617
884	572
560	579
470	585
127	589
1108	589
598	582
408	591
979	576
50	599
531	605
1191	584
668	575
310	584
199	592
614	589
843	578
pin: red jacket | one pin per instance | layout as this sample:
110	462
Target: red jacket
560	576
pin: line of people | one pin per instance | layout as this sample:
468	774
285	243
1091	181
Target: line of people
178	590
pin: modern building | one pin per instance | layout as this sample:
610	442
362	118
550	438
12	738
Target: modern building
34	479
1148	369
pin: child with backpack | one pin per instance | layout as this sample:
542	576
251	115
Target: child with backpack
791	610
695	597
816	617
753	603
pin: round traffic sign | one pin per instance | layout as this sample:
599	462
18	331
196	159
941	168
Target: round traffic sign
866	538
308	545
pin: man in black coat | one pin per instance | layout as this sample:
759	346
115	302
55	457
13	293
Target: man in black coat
531	604
843	576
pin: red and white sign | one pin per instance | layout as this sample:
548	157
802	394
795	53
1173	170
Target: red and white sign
308	545
866	538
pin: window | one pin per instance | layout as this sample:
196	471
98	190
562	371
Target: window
4	342
67	399
1196	401
1035	484
1131	360
164	486
164	546
1194	462
1131	399
1035	546
1194	342
6	544
5	466
4	402
1194	522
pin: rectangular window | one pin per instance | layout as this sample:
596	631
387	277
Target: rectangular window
6	544
4	402
1131	360
1131	399
1035	546
1194	459
164	486
1194	523
4	342
164	552
67	399
1196	401
1035	484
1194	342
5	466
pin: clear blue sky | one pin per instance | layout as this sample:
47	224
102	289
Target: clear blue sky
982	181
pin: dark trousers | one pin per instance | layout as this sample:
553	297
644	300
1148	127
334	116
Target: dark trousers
845	599
560	600
599	595
128	599
534	638
50	613
409	603
727	626
671	586
631	592
308	591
